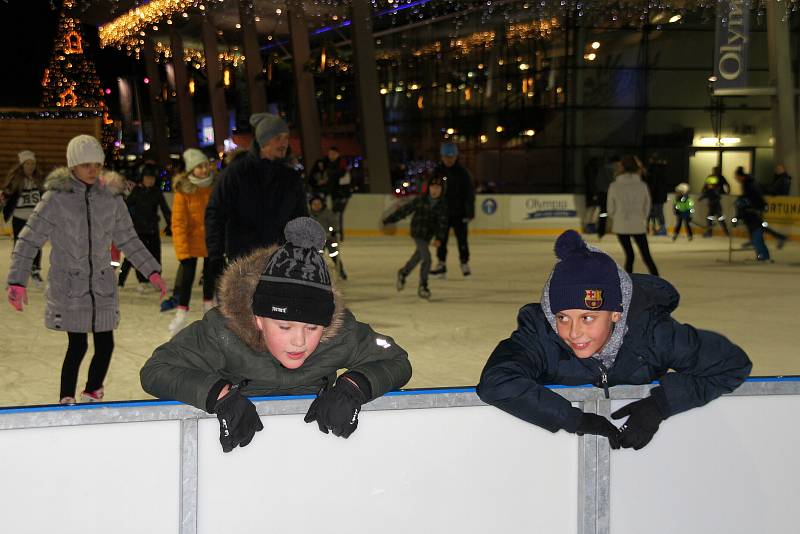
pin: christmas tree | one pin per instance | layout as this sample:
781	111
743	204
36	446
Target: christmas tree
70	79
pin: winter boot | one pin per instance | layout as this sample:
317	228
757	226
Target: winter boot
92	396
465	269
440	270
67	400
179	321
401	280
424	292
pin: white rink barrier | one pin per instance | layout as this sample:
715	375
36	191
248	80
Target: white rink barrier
421	461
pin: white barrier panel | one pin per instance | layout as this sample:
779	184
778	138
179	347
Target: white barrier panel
730	467
467	470
121	478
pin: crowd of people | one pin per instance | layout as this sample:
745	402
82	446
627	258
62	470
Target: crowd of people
275	323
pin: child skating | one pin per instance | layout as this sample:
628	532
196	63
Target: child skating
81	213
683	208
429	220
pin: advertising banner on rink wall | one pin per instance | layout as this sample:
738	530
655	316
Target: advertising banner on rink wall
732	40
783	210
540	208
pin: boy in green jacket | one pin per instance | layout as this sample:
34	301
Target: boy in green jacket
281	329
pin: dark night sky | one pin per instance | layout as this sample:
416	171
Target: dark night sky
26	41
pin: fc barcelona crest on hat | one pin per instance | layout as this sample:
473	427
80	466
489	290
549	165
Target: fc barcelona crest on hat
593	298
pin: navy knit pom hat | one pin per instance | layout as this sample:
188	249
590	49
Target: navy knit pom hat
296	284
584	279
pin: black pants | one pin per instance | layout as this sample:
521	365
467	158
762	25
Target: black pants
338	205
602	202
76	350
680	219
460	228
17	225
644	250
152	242
421	255
185	280
715	214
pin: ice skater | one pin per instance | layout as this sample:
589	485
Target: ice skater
19	195
750	208
144	201
193	190
330	223
286	331
81	213
714	187
683	207
429	220
597	324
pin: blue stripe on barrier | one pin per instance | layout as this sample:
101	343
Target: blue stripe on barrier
437	391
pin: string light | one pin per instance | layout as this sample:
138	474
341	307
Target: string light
123	30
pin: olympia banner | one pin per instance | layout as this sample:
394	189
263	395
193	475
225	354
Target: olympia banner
732	39
532	208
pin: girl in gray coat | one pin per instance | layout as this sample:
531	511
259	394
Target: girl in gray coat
81	213
629	208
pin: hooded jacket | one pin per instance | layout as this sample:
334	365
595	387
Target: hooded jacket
81	223
629	204
188	218
705	364
252	201
227	345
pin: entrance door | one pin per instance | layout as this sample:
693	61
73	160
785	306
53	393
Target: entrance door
701	163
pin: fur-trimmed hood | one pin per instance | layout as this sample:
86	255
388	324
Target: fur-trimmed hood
62	179
236	289
183	184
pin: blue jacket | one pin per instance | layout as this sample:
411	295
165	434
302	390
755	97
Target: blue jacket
705	364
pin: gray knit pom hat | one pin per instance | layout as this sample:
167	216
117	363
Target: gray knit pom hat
296	284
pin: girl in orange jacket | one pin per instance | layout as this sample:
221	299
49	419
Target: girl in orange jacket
192	191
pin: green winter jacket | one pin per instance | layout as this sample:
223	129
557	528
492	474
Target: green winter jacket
226	345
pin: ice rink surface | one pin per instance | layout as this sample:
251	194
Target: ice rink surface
449	337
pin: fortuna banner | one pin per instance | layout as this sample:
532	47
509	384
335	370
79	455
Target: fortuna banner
731	43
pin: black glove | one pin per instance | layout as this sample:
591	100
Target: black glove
238	419
641	426
599	425
336	408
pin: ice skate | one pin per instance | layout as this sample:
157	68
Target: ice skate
440	271
178	322
781	242
93	396
401	280
424	292
465	269
169	304
68	400
37	278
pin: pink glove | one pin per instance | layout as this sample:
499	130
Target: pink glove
159	284
17	296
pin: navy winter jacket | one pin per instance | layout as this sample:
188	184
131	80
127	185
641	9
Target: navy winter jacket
705	364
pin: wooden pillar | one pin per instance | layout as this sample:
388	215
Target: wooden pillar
216	91
253	65
373	131
159	143
185	108
304	82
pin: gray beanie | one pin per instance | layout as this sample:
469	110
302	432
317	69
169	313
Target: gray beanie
193	157
84	149
267	126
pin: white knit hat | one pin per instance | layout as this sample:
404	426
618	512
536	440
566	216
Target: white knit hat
25	155
193	157
84	149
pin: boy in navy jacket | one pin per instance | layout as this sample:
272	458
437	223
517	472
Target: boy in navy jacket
598	324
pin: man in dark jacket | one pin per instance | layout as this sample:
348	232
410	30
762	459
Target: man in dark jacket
750	208
596	324
714	187
254	197
781	182
281	329
459	195
657	184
